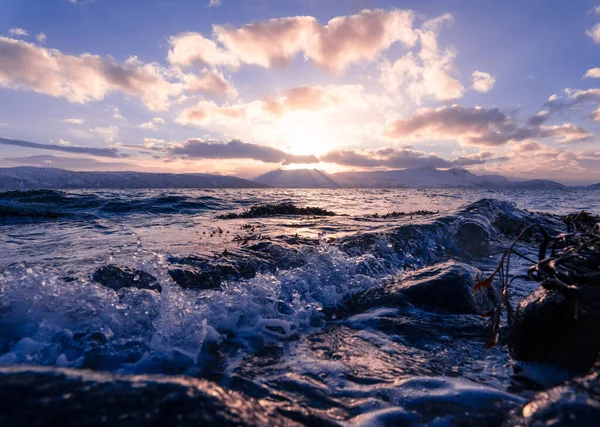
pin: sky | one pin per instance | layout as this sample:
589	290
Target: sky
242	87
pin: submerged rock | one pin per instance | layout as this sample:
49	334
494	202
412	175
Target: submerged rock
575	403
448	287
445	287
39	396
117	277
552	328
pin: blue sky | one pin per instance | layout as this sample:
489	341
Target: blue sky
243	87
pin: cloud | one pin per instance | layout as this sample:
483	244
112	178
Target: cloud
477	126
401	159
208	112
594	33
595	116
592	73
214	3
235	149
300	99
81	79
313	98
41	37
575	97
380	158
151	125
72	163
566	133
194	49
108	133
470	126
427	74
74	121
19	32
117	114
483	82
528	146
100	152
344	40
539	118
210	82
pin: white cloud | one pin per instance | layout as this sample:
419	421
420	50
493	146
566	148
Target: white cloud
74	121
427	74
109	133
117	114
594	33
84	78
210	82
152	124
41	37
19	32
214	3
344	40
483	82
592	73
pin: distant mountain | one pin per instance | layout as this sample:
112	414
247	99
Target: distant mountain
427	177
32	178
298	178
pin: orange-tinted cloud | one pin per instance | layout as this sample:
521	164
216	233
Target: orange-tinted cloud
83	78
342	41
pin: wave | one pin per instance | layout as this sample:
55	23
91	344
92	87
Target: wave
43	205
261	294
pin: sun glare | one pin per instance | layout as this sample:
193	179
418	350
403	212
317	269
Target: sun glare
307	135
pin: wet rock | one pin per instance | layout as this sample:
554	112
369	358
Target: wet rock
552	328
198	272
473	239
448	287
575	403
39	396
445	287
118	277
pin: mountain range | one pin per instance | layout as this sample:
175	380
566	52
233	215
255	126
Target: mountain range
33	178
427	177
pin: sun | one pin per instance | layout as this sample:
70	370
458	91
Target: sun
307	135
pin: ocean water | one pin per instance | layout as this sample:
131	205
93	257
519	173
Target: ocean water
273	318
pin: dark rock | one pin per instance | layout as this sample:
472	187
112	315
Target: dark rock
200	272
448	287
195	272
575	403
445	287
473	239
40	396
553	328
117	277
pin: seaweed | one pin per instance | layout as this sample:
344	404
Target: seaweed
568	263
259	211
390	215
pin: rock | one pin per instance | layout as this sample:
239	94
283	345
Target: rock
547	329
201	272
445	287
473	239
448	287
117	277
41	396
575	403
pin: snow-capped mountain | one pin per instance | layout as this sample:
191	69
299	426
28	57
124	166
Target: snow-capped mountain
32	178
298	178
428	177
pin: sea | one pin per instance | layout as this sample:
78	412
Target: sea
265	304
